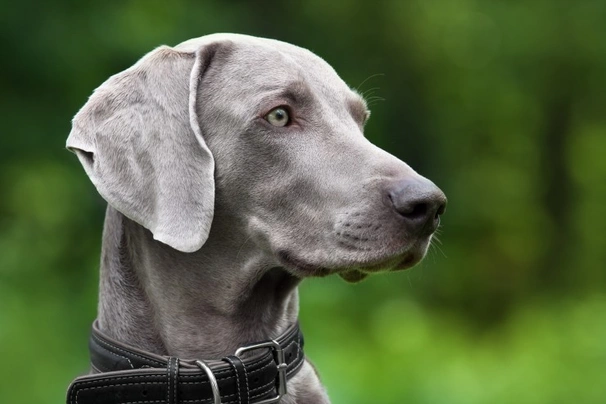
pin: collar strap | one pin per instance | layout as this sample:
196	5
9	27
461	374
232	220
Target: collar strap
256	373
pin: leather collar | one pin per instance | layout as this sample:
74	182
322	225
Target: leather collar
130	375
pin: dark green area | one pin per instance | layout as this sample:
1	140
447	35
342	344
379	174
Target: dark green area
502	104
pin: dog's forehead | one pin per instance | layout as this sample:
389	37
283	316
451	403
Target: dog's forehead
278	61
247	43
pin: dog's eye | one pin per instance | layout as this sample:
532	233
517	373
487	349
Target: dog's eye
278	117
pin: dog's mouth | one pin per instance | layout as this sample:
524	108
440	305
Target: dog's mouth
301	267
352	271
398	263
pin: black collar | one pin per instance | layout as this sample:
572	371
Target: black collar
130	375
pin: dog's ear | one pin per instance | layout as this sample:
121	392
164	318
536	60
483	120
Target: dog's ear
139	141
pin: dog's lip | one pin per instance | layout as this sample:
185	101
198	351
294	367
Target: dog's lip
397	263
392	263
409	261
289	260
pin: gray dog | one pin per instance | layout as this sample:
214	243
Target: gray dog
233	168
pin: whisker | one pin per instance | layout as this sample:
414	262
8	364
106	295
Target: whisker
437	248
368	78
369	92
242	246
372	101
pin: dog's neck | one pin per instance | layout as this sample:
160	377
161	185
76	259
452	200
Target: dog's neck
205	306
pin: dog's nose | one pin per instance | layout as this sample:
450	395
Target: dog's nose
420	202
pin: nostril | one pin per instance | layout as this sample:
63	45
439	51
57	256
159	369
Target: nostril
416	211
440	210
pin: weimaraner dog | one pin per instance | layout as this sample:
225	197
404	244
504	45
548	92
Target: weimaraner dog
233	168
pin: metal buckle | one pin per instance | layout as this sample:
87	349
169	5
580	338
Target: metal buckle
212	379
280	363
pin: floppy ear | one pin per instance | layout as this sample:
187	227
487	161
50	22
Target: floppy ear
139	141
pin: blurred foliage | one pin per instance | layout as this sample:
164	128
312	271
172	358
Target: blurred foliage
500	103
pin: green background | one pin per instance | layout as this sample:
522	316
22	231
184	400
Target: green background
501	103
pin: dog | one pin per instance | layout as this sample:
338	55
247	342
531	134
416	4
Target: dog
233	168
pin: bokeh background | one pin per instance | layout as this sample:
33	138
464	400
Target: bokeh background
502	104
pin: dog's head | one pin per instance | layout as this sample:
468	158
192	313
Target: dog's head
264	133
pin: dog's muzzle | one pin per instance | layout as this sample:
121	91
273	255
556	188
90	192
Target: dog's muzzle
129	375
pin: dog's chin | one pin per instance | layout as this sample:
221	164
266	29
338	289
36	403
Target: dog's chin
353	275
398	263
353	270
